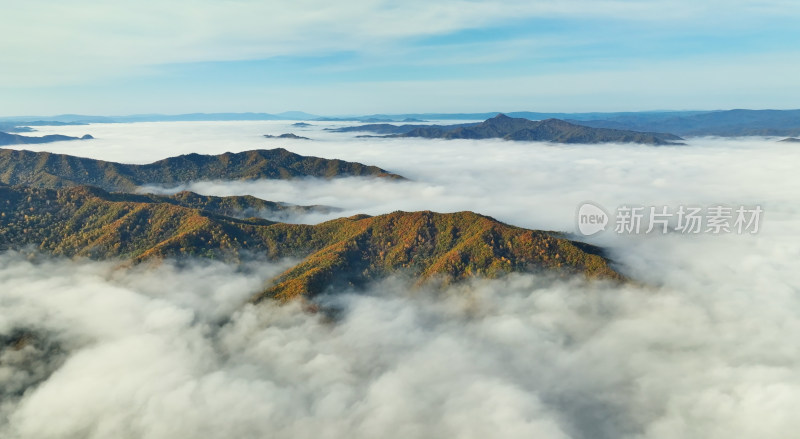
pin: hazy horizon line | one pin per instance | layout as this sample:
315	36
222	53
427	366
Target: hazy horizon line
298	113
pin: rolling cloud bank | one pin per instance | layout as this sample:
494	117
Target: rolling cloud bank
702	346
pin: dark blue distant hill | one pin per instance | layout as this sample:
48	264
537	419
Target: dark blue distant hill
713	123
515	128
16	139
682	123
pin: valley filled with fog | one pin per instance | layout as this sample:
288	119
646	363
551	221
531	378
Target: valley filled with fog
700	345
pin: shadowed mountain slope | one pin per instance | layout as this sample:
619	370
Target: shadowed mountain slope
244	206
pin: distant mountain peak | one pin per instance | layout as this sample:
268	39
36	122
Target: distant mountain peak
505	127
548	130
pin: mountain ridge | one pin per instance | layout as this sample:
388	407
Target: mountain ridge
17	139
520	129
733	122
726	123
44	169
90	222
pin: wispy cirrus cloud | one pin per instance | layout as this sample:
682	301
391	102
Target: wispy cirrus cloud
48	42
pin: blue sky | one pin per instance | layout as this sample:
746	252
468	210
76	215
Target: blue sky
367	56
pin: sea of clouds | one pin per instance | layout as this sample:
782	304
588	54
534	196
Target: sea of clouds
702	347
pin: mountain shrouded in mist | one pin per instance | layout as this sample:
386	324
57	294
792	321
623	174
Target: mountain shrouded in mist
43	169
16	139
87	221
515	128
286	136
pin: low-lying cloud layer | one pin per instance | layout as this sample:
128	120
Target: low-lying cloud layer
165	352
704	348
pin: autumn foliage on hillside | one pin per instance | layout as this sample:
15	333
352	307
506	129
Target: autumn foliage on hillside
89	222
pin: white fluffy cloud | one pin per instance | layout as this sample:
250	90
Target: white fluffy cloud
535	185
519	357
